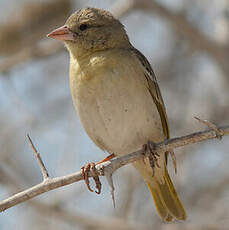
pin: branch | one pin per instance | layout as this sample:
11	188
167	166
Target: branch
76	219
109	167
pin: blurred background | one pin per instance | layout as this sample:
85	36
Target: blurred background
187	43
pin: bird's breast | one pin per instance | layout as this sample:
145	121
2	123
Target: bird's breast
114	104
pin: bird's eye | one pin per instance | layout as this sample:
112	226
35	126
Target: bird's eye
83	27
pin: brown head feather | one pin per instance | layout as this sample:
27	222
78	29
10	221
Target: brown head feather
95	30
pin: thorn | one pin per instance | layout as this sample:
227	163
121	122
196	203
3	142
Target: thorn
173	156
111	184
44	171
219	133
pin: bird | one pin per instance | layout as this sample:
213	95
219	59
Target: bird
117	98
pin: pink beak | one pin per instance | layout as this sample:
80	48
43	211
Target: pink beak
62	33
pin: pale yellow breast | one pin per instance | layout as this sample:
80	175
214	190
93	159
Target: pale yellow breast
111	97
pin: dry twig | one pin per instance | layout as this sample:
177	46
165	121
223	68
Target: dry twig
107	168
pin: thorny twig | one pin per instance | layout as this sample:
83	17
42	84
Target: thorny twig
109	167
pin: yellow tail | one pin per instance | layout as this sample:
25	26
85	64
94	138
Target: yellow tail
166	199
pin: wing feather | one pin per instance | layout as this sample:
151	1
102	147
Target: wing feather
154	90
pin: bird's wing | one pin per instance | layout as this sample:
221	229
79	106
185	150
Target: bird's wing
153	89
164	194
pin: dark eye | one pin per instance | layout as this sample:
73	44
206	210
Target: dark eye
83	27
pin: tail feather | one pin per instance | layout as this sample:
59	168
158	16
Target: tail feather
160	206
166	199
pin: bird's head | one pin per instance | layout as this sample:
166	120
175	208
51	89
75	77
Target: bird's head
89	30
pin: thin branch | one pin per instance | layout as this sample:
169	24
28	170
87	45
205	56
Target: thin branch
76	219
44	171
107	168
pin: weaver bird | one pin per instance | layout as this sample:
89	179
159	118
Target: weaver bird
117	98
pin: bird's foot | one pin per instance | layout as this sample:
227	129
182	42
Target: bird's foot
90	167
153	155
85	171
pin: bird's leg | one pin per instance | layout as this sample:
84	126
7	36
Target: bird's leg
91	167
153	156
106	159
